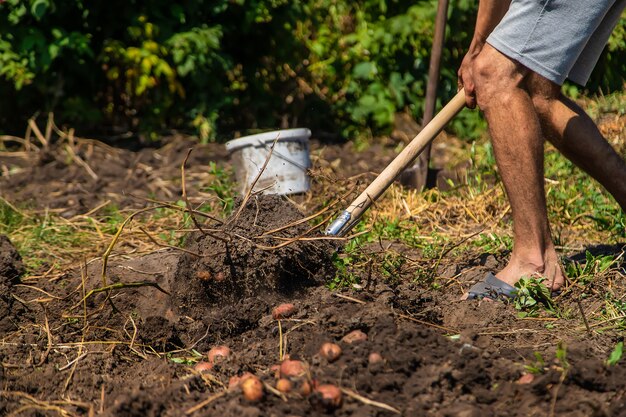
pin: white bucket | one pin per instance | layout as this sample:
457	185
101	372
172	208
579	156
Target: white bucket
286	171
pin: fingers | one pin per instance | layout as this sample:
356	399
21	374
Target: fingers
470	97
470	90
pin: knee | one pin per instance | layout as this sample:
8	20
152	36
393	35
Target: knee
495	77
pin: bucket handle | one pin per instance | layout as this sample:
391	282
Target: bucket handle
278	154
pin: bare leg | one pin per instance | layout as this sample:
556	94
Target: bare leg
518	146
577	137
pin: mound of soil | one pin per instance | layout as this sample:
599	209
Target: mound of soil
11	268
255	251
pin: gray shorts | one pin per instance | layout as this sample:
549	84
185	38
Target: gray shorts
557	39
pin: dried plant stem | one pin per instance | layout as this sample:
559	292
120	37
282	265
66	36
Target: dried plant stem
345	297
153	240
425	323
256	179
205	402
107	253
584	316
45	354
367	401
38	134
280	342
119	286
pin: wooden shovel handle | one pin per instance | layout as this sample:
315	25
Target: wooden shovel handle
404	159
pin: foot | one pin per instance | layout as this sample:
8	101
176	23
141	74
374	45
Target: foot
549	268
491	288
518	267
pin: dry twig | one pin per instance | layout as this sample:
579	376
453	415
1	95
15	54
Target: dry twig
204	403
367	401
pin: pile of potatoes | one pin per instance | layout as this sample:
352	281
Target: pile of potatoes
291	377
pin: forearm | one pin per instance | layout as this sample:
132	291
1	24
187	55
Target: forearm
490	13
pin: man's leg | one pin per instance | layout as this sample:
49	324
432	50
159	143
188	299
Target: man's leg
577	137
518	147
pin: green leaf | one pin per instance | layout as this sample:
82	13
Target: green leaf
53	50
561	355
616	354
365	70
16	13
38	8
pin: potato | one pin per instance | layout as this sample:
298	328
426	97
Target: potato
208	276
236	380
275	371
289	369
305	388
374	358
283	311
355	336
203	275
218	353
284	385
252	389
203	366
327	397
330	351
526	379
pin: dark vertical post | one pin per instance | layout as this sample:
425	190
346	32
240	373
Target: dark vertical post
415	177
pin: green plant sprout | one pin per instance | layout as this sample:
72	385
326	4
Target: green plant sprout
538	367
532	295
616	354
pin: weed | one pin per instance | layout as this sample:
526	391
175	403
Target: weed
538	367
111	218
40	240
186	360
593	266
561	356
391	264
493	243
10	217
616	354
574	200
532	295
614	311
611	103
469	124
345	264
222	186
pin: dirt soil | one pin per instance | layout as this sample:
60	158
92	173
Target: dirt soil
75	345
73	179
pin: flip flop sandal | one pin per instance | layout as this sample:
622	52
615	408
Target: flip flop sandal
493	288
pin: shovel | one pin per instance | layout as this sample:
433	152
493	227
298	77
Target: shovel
351	216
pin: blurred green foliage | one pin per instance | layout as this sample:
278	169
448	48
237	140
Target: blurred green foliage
216	66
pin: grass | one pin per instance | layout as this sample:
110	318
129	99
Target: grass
616	354
580	211
434	227
48	241
221	184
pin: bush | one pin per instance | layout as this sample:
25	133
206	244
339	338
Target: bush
219	66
